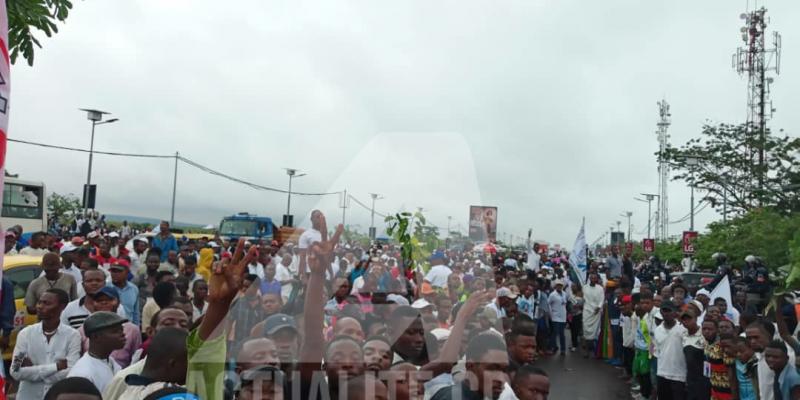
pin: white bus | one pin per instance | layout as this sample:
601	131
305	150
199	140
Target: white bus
25	204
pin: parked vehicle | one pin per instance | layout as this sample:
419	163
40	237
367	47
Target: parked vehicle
20	270
255	228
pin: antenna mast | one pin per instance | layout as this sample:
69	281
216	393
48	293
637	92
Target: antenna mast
754	59
662	219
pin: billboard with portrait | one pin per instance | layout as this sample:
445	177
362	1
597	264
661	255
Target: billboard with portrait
482	223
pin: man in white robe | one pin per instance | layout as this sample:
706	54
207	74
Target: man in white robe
594	297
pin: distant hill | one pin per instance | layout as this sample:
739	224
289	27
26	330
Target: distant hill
145	220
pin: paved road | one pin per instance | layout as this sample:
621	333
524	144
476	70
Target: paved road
573	377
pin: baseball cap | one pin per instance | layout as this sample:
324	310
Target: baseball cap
505	292
120	265
101	320
703	292
92	235
68	247
420	303
113	235
276	322
397	299
437	255
77	241
213	244
106	291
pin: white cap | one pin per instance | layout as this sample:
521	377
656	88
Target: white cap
213	244
92	235
67	247
141	239
420	303
505	292
703	292
113	235
397	299
441	333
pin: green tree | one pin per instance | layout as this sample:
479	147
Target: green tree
417	239
762	232
26	17
63	207
727	168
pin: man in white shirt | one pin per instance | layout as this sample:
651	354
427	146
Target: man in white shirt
557	301
309	237
139	254
105	333
45	351
439	272
534	259
668	339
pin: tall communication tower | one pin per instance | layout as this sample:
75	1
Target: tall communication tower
662	221
755	60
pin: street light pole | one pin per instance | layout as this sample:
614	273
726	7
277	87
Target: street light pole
287	219
96	116
649	197
628	214
372	232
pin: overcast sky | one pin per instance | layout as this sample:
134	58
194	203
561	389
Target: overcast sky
543	108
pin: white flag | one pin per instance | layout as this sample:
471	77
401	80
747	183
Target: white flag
578	256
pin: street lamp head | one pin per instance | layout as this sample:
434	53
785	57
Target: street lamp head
94	115
110	121
290	171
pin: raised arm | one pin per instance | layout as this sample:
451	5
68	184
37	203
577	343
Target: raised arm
319	254
450	352
226	279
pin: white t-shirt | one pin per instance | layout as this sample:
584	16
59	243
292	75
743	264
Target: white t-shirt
533	261
437	276
100	372
669	350
256	269
308	238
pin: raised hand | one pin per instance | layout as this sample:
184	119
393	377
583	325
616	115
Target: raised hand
226	278
475	300
320	254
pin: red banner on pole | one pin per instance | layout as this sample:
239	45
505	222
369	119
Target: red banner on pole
688	241
649	245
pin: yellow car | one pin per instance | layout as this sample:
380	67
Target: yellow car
20	270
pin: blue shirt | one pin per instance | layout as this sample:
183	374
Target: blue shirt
270	287
165	245
746	389
788	379
129	298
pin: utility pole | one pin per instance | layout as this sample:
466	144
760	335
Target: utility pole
755	59
344	203
174	190
449	219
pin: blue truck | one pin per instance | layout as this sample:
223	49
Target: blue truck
255	228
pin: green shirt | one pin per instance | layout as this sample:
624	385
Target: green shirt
206	371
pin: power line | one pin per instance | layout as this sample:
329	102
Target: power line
184	159
87	151
366	207
244	182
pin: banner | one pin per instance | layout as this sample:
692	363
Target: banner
649	245
578	256
688	241
482	223
5	89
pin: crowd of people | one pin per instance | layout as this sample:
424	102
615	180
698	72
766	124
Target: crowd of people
154	316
